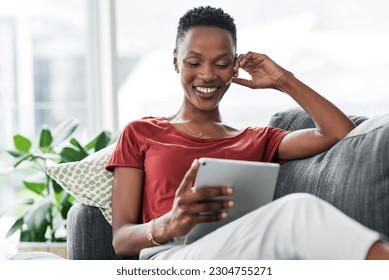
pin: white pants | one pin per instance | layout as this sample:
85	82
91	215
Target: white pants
297	226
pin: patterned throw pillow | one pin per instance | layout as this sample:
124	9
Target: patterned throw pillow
87	180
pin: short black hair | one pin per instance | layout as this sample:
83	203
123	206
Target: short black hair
205	16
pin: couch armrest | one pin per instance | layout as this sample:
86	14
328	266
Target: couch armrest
89	234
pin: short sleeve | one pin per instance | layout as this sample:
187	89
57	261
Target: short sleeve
274	137
129	149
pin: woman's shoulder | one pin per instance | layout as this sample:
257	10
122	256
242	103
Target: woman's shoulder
148	120
257	129
148	123
260	131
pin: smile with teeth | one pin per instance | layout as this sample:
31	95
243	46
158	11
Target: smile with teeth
206	89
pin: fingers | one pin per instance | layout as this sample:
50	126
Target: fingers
208	211
236	65
248	59
208	200
249	62
210	217
205	204
211	207
243	82
203	194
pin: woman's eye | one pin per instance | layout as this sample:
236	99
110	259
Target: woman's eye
193	64
223	65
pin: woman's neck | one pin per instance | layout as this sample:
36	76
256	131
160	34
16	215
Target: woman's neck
199	116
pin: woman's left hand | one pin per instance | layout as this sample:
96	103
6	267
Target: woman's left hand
264	72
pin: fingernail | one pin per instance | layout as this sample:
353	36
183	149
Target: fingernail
230	190
223	215
231	204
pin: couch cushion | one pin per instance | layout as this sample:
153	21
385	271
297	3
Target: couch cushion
87	180
353	175
296	118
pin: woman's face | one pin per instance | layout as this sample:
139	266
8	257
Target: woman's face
205	60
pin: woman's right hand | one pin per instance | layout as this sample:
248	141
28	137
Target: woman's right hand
264	72
193	207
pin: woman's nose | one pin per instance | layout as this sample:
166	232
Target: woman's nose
207	73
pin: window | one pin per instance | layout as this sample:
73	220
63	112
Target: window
53	66
7	78
337	47
57	62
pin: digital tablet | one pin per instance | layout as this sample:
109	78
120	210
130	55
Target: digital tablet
253	182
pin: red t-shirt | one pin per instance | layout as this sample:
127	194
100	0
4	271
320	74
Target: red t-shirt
165	154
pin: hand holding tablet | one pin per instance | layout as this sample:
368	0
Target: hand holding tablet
253	182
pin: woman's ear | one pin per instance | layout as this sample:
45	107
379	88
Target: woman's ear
236	67
175	61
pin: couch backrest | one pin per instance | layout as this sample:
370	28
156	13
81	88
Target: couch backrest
353	175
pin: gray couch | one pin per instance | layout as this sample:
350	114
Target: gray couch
353	176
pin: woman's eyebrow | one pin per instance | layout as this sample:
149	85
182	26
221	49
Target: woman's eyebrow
226	54
193	53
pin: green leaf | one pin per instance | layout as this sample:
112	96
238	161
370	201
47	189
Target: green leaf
15	227
91	144
82	151
15	154
24	201
36	220
22	144
64	130
45	140
102	140
71	198
59	193
36	234
60	239
69	155
66	204
26	236
99	138
58	196
35	187
57	187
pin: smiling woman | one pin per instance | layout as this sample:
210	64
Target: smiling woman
156	160
205	75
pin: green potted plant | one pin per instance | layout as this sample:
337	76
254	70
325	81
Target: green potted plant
43	218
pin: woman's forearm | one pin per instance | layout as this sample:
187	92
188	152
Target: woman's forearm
130	239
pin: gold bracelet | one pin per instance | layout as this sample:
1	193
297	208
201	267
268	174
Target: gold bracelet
149	233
